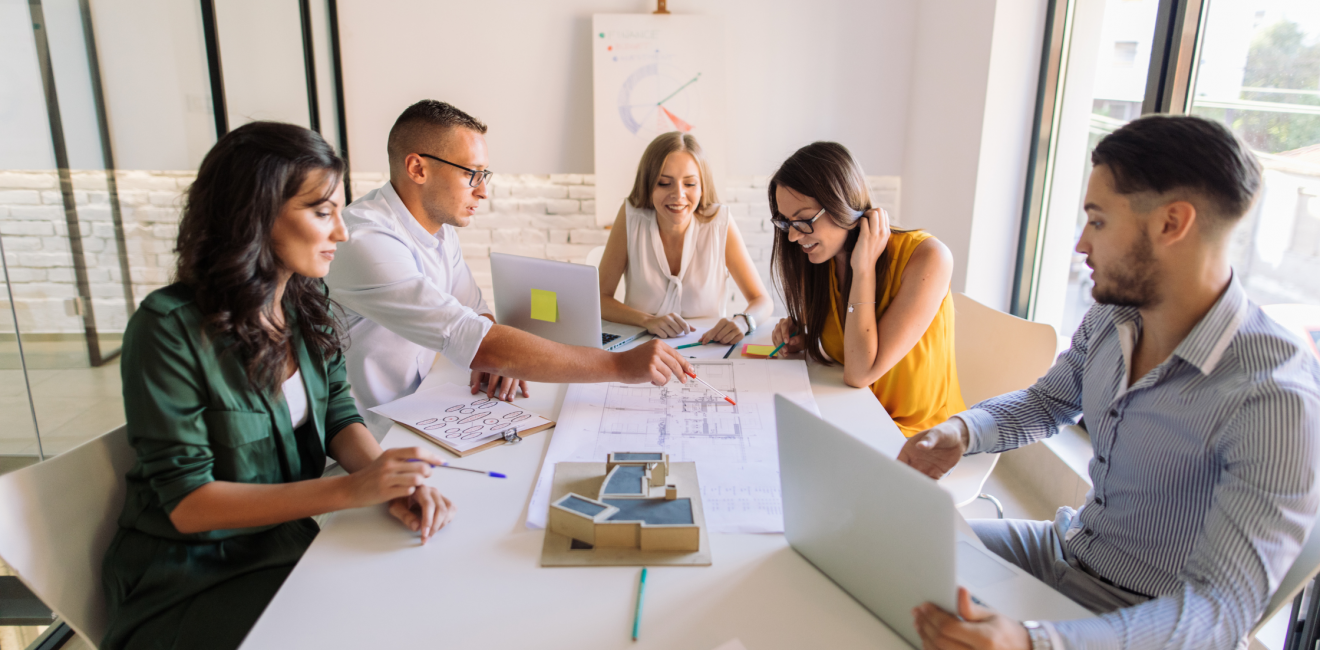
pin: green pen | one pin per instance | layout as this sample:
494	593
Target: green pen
637	616
689	345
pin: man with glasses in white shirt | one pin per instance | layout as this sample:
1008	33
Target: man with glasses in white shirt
1204	417
408	294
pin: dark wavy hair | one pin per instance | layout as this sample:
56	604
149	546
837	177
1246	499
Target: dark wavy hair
226	254
827	172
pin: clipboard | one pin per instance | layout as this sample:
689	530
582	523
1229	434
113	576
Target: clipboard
509	437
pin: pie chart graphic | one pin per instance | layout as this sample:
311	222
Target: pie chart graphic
656	99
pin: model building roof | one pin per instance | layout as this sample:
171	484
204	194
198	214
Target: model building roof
582	506
639	456
627	479
652	511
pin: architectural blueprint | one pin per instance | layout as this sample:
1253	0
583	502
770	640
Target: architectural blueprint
735	447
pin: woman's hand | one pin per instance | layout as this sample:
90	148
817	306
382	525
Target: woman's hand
872	240
424	511
787	330
667	326
394	474
725	331
497	387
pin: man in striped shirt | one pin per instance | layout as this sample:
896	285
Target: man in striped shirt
1204	418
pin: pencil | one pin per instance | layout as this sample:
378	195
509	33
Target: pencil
711	388
781	346
731	349
689	345
637	615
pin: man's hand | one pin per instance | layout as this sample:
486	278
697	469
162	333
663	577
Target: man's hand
652	362
936	450
497	387
980	628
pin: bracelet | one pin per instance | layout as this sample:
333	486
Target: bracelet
850	305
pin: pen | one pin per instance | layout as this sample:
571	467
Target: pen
637	616
712	388
781	346
689	345
466	469
731	349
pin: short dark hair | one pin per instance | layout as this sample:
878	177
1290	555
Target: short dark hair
1165	153
423	122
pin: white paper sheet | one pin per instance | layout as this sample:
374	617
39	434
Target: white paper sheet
452	413
735	447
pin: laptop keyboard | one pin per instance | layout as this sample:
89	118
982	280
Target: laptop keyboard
606	338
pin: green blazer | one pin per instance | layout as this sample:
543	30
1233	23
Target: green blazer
193	419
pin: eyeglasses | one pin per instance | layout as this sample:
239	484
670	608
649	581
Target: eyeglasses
802	225
474	174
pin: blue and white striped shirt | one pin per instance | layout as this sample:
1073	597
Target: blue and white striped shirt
1204	473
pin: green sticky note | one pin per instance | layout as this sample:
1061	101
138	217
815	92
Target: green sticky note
545	305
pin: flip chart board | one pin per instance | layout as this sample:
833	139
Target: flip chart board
653	74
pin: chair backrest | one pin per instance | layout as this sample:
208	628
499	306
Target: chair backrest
57	519
1303	569
996	352
593	259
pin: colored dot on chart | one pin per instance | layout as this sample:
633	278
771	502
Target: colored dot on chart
602	34
610	48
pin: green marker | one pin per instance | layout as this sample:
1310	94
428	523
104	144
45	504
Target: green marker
637	616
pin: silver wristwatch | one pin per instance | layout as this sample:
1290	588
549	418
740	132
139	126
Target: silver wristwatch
1040	637
751	323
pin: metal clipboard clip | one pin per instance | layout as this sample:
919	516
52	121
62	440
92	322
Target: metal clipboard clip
511	436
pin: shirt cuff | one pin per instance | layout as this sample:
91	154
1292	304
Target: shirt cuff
982	430
1089	633
466	339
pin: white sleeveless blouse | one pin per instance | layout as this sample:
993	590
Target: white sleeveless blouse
700	288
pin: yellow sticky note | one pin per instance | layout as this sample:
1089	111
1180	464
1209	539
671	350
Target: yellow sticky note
545	305
758	350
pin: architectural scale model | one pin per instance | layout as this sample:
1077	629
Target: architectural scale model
637	507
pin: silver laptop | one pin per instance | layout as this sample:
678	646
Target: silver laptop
885	533
571	315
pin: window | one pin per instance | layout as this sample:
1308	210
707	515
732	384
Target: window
1252	64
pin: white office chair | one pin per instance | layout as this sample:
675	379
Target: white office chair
996	353
593	258
57	519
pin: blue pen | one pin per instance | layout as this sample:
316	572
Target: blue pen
466	469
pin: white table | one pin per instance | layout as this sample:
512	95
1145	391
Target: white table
366	583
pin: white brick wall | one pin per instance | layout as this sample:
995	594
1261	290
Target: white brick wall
548	216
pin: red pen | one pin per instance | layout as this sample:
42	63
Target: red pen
712	388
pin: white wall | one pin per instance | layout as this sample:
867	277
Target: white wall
798	72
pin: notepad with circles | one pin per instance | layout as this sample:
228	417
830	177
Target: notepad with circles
452	417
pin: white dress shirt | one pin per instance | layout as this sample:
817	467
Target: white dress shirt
407	294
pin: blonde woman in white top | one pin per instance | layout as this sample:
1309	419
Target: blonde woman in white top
675	246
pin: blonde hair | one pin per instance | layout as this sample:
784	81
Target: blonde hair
653	159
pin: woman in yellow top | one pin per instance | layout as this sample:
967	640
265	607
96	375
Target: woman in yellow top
869	296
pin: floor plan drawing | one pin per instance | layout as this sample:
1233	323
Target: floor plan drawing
735	446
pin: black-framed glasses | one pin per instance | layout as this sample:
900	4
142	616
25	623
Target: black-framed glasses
802	225
474	174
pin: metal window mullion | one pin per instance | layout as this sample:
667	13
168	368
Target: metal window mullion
332	9
1176	41
66	182
107	156
1041	162
309	65
218	106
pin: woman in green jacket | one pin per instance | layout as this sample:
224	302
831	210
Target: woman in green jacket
235	394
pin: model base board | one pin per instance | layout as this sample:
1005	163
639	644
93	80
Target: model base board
586	479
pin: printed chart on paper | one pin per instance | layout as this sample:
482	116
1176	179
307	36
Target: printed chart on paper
735	447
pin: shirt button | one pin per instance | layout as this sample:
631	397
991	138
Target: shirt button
1088	532
1099	501
1113	413
1100	459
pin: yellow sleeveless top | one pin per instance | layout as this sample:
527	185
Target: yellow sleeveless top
921	390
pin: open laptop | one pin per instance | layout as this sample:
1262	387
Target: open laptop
563	297
886	533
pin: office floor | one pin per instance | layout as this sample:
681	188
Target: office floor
74	403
